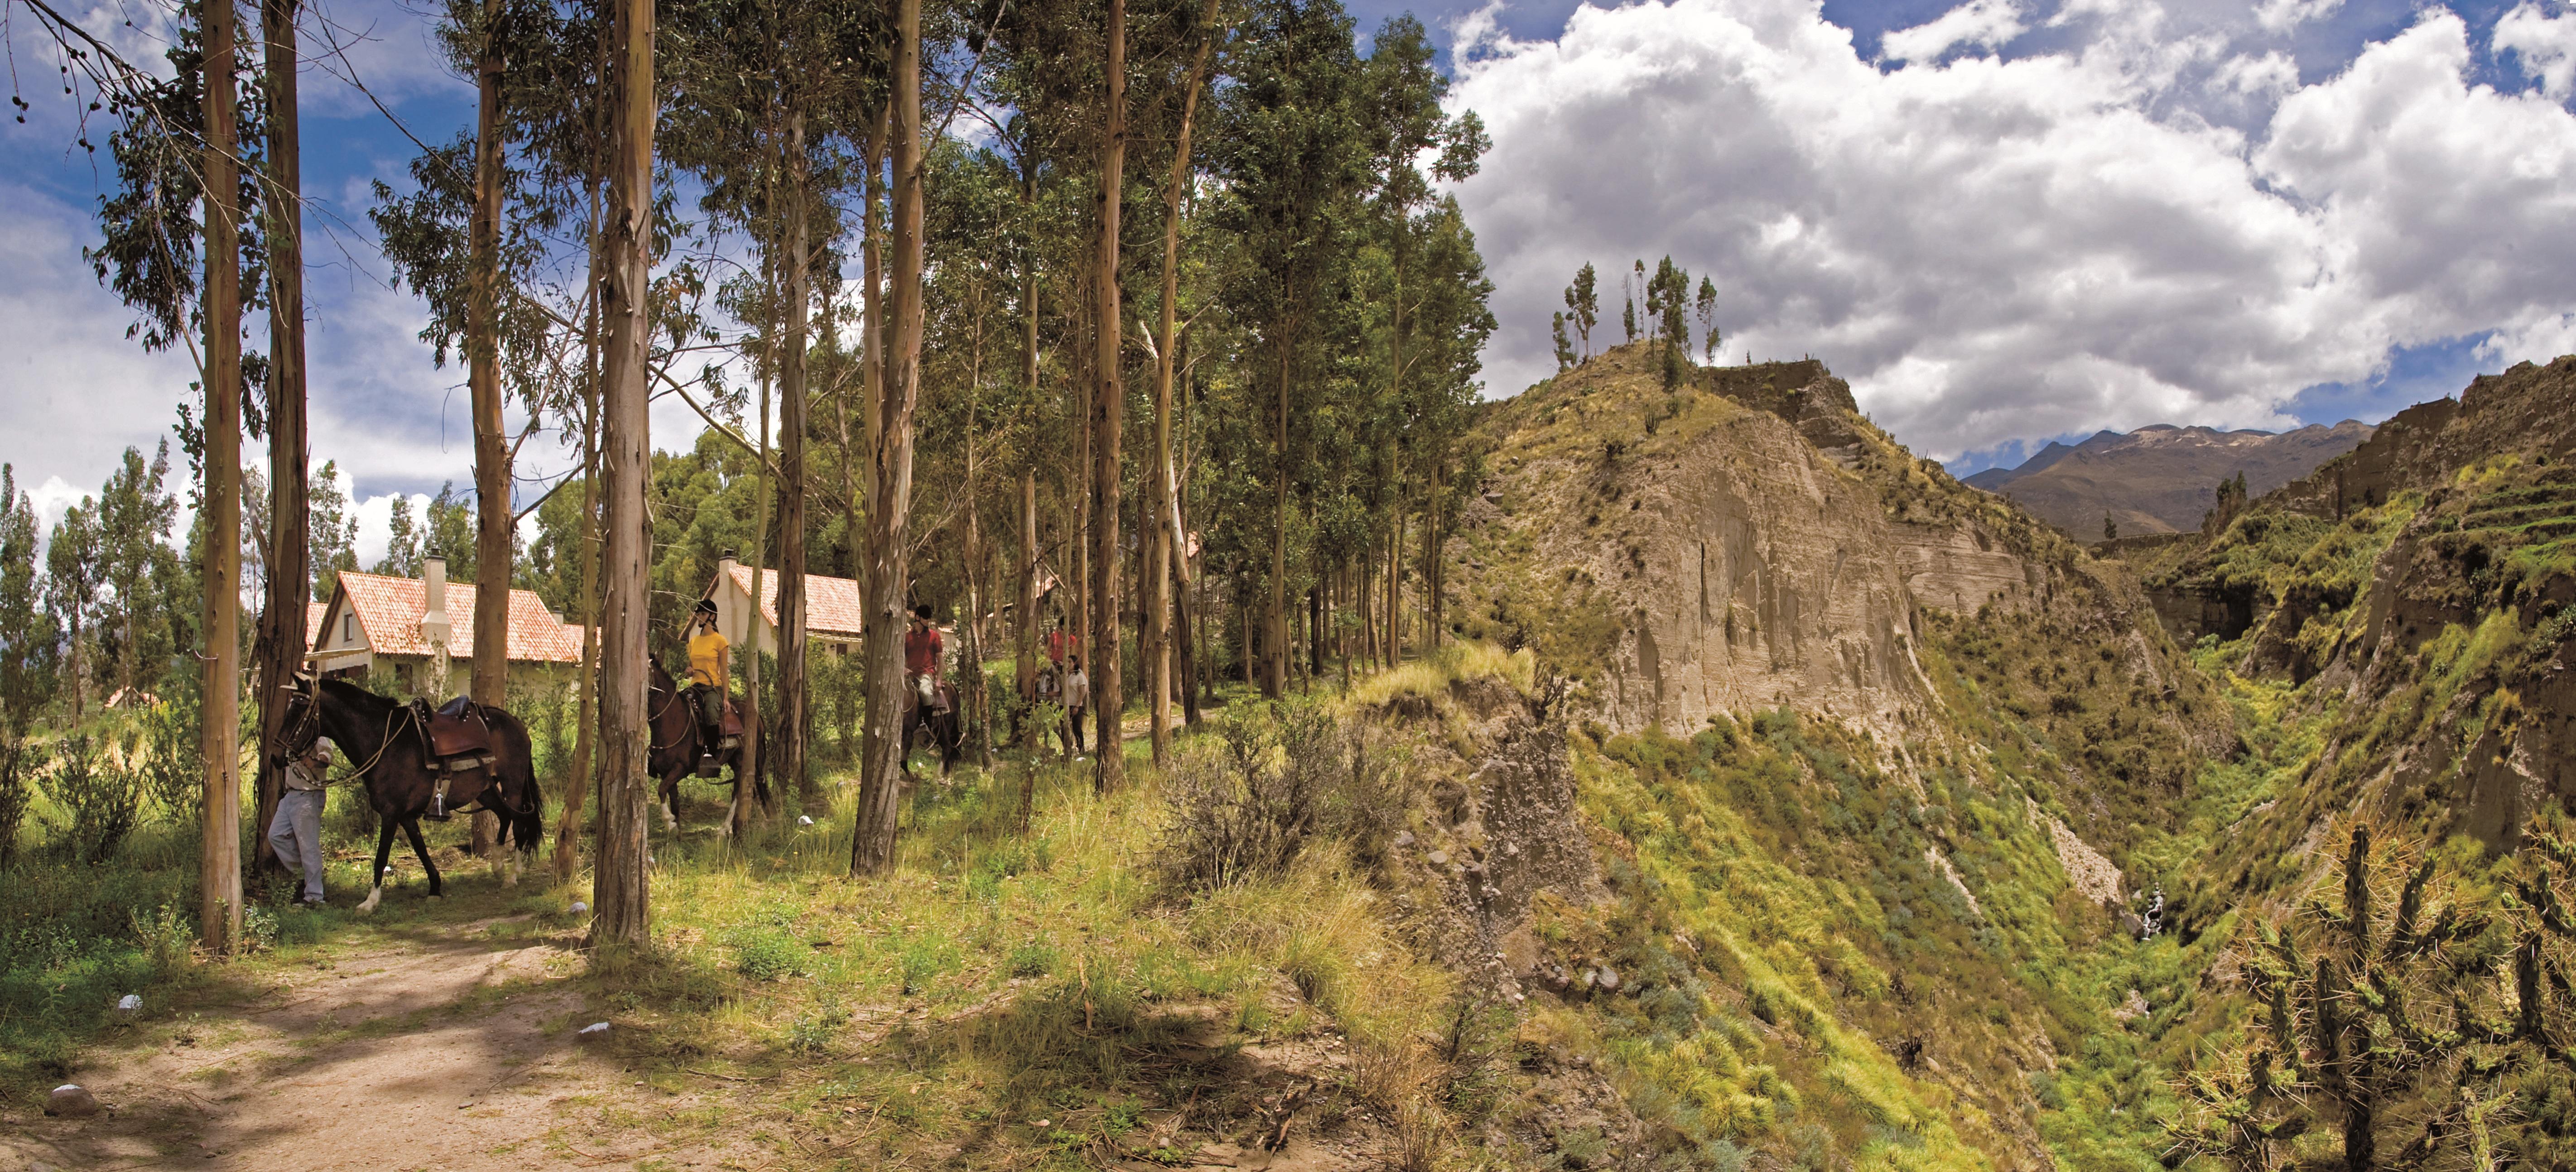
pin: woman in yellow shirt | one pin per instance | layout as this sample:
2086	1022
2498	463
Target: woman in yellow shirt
710	663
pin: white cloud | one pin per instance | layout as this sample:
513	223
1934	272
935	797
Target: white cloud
1991	23
2284	15
2544	46
74	392
1996	249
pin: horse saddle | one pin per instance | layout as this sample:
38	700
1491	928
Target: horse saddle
459	740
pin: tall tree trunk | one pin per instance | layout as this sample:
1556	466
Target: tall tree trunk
738	811
872	843
281	636
1109	421
792	717
1077	482
1155	633
584	745
1274	632
620	885
491	682
1024	669
1431	564
219	909
872	326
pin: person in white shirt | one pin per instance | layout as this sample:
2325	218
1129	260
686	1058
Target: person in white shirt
1077	700
296	833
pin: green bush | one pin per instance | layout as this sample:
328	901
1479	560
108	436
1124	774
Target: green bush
172	771
101	796
1248	807
17	792
767	953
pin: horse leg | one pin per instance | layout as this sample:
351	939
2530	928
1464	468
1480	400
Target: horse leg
384	851
671	793
411	827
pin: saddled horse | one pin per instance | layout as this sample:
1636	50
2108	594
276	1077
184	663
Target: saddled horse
390	752
943	727
678	742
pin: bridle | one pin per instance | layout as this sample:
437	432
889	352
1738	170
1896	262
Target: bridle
307	728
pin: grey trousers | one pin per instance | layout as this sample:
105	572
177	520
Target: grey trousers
296	835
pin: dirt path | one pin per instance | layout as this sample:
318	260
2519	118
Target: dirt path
450	1050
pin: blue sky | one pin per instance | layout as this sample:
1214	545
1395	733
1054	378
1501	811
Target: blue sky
2004	221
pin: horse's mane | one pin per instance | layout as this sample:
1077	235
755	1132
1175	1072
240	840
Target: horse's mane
350	693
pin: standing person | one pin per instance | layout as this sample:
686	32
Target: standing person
710	669
296	832
922	649
1056	643
1077	701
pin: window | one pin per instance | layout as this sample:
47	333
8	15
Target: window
349	628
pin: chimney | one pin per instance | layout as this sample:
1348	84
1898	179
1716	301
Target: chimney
433	618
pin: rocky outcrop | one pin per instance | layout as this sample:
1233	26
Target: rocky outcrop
1730	547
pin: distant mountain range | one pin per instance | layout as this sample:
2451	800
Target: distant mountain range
2161	479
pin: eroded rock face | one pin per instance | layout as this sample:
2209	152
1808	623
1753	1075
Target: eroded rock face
1505	834
1732	560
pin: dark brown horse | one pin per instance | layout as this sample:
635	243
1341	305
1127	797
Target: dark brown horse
678	742
946	731
389	751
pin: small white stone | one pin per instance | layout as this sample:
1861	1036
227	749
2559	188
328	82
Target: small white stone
594	1031
72	1101
1439	858
577	908
130	1004
802	820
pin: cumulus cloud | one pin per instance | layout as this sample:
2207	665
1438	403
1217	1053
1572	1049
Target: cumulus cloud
74	392
2544	45
1995	249
1990	23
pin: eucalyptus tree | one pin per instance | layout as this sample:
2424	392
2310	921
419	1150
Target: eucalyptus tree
135	511
1295	159
621	887
27	636
71	589
889	553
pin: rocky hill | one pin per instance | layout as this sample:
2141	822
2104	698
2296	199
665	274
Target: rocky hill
2160	479
1877	763
2437	562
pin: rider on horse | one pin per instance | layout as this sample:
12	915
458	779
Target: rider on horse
922	646
710	666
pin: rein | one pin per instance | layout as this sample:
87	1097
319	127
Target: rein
313	718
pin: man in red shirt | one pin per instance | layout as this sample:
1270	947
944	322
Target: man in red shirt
1057	643
921	650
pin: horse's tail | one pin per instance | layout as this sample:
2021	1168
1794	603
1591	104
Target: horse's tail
530	821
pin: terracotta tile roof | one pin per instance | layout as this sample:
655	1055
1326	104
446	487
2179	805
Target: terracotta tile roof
391	610
832	605
313	615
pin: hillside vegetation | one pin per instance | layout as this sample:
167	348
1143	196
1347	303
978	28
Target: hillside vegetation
1944	855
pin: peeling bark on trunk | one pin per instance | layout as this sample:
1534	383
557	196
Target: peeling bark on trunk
281	636
872	843
620	887
792	716
219	909
491	678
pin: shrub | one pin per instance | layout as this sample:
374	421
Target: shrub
102	797
169	764
17	763
766	954
1248	806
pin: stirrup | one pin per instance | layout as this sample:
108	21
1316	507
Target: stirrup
438	801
